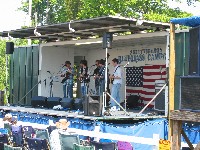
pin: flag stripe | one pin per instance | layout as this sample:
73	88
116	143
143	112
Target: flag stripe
141	80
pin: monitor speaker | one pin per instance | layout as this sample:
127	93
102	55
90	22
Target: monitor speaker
194	54
38	101
78	104
92	105
53	101
9	47
160	99
66	103
189	93
107	40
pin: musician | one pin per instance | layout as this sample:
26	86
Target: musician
68	80
84	77
117	81
95	74
102	76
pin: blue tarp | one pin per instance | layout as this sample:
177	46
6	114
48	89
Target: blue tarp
193	21
143	129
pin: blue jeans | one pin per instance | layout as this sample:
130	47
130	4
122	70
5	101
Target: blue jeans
69	92
97	89
115	95
102	87
83	90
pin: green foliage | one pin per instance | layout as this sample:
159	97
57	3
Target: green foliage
57	11
2	65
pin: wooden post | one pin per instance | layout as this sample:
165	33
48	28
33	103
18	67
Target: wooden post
176	137
171	75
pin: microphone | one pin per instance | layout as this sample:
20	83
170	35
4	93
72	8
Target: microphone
126	64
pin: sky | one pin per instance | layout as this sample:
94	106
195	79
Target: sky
12	19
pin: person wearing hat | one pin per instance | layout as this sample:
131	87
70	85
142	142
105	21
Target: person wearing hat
68	74
7	118
62	128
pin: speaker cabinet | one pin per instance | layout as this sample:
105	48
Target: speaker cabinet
194	55
66	103
38	101
78	104
53	101
189	93
107	40
92	105
9	47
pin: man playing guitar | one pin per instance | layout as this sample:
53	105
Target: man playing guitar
84	77
67	81
117	76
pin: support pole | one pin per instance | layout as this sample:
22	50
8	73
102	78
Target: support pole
171	75
176	137
187	140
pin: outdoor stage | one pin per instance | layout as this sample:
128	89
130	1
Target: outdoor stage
118	115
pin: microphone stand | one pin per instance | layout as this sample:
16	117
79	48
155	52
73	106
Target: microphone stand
125	85
51	84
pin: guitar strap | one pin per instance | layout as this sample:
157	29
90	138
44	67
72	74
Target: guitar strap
114	73
115	70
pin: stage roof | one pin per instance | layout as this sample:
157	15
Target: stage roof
86	28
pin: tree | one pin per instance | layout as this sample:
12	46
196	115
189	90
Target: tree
2	64
57	11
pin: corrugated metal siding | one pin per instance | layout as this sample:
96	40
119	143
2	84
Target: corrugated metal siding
182	65
24	74
28	74
35	56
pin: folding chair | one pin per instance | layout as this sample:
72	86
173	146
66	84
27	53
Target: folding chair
103	146
17	135
28	131
9	147
42	134
4	138
8	127
124	145
82	147
37	144
67	141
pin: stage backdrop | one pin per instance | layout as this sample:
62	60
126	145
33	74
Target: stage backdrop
147	63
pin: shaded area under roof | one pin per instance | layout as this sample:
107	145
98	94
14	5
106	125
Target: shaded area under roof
193	21
85	28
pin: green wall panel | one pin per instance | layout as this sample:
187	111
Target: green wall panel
16	84
22	75
11	79
28	74
179	40
24	65
182	65
35	55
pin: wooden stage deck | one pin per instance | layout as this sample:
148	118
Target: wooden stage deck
118	115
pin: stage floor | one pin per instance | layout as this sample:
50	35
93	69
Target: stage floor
117	115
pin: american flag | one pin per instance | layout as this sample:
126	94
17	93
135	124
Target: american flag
141	81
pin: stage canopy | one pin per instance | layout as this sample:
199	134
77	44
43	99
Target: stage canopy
86	28
193	21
